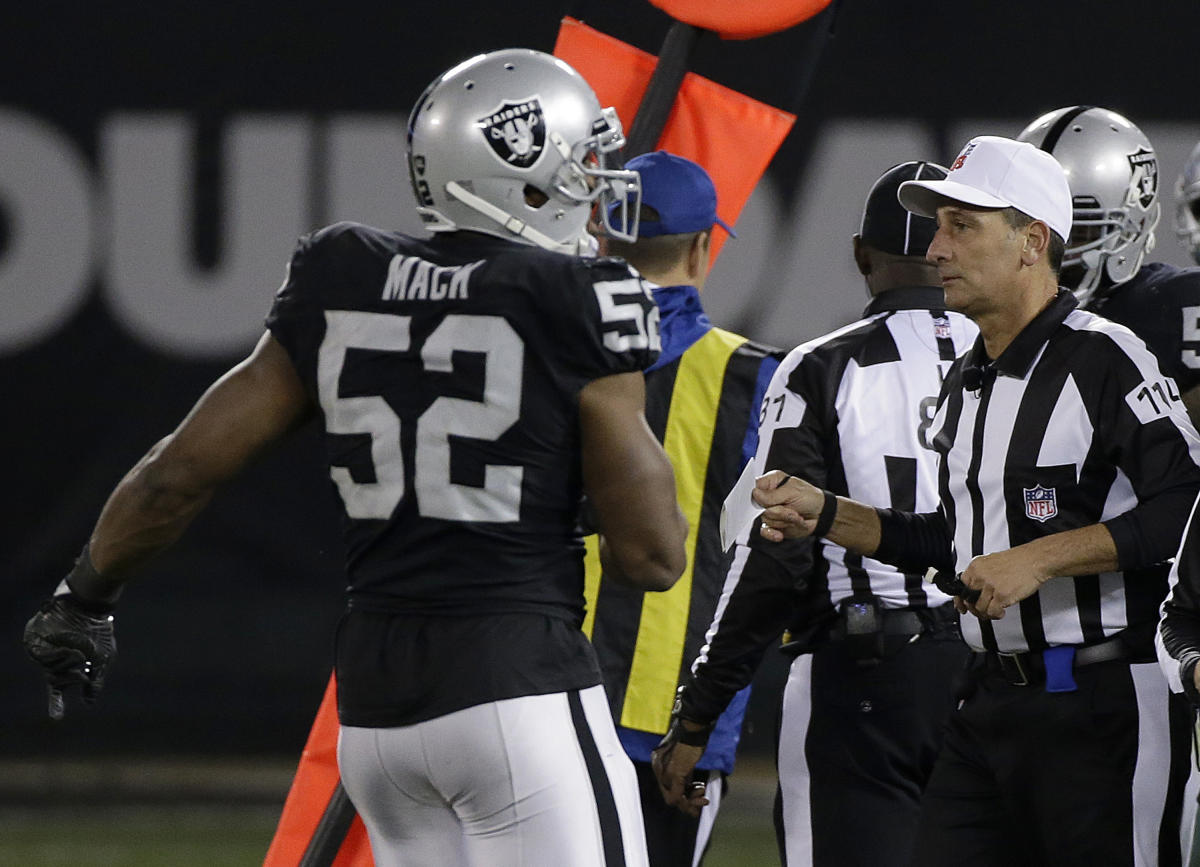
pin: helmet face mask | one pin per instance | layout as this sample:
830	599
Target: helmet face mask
1112	170
1187	205
515	144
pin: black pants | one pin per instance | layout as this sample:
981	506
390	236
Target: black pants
1077	779
857	745
673	838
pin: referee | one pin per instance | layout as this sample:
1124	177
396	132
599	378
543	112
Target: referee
876	650
1178	638
1068	466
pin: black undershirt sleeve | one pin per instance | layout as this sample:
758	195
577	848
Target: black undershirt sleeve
914	541
1149	533
1179	629
759	608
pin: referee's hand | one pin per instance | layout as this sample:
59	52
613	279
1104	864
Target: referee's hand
673	765
1002	579
792	506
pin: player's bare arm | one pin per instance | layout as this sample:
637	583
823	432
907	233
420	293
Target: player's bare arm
255	403
631	485
252	405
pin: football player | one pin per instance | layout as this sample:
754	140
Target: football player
1114	176
1187	204
471	387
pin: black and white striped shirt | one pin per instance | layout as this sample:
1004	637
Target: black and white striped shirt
1177	640
852	412
1072	425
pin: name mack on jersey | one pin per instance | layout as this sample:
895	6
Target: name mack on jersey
411	278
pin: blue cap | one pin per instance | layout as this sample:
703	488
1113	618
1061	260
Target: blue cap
680	191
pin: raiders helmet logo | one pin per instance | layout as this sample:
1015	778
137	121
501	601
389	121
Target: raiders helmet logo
516	131
1145	176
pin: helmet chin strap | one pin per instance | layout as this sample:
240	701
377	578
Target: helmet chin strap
1093	272
1091	259
585	245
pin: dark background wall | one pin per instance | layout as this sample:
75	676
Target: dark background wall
225	647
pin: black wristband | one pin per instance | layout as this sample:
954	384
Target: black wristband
828	512
688	737
92	591
676	733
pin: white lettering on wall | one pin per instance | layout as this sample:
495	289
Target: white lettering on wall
46	202
368	174
154	286
807	282
125	225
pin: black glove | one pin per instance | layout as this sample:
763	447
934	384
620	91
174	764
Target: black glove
74	644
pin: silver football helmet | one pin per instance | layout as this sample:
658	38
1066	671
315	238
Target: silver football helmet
514	143
1112	170
1187	205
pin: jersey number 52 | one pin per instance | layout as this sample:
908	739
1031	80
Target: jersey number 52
437	496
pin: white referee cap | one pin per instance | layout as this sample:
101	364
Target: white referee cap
995	172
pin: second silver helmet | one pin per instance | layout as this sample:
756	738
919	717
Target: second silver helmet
1112	170
1187	205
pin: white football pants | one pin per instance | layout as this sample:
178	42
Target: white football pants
536	780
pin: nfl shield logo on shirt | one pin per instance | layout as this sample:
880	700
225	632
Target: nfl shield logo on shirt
1041	504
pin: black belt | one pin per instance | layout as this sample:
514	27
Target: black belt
1027	667
896	621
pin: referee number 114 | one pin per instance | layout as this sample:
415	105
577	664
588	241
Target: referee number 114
1152	400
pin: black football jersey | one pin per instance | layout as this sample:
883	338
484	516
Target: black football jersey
448	372
1161	305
